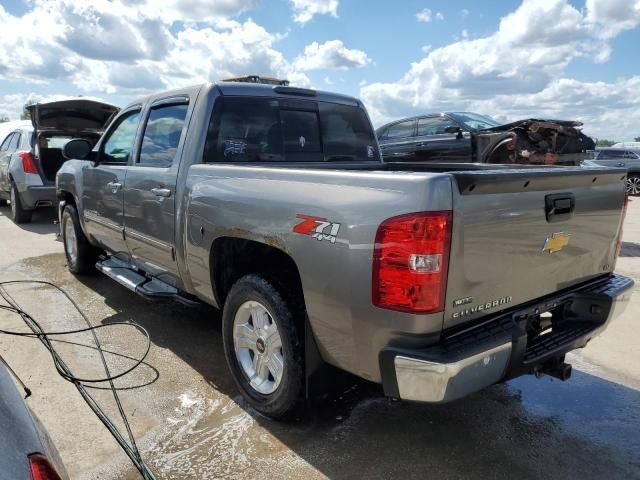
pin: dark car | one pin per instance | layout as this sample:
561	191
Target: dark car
471	137
26	452
622	157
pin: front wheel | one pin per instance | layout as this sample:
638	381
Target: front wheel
263	347
633	184
81	255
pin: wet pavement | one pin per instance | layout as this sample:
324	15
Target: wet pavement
191	423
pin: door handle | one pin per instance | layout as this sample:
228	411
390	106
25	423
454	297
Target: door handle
161	192
114	186
621	165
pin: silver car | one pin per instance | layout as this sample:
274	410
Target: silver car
626	157
30	156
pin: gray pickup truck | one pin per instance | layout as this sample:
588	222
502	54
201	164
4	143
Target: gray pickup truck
273	204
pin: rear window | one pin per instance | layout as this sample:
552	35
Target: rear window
246	129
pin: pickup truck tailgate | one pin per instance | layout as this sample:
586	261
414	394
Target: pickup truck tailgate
518	236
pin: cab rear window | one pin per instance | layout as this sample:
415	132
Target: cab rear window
248	129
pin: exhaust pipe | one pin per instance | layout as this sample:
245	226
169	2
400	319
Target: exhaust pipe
559	370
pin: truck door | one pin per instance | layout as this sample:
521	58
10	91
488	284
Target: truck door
103	182
149	192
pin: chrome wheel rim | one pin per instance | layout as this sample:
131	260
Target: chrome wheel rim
70	240
12	198
258	347
633	185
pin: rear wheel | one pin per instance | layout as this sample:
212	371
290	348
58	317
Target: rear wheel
633	184
19	214
262	345
81	255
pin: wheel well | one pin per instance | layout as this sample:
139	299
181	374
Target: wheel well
233	258
67	197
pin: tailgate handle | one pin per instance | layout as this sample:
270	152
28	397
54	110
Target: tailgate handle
559	206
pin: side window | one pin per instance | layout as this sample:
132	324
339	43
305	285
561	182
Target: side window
631	155
162	135
118	145
244	129
434	126
7	141
400	130
611	154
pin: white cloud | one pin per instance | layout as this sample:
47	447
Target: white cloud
304	10
464	12
610	17
513	72
424	15
439	16
331	54
108	46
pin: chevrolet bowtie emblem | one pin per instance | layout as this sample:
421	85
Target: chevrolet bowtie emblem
556	242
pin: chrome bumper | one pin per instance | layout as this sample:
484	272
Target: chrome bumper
469	360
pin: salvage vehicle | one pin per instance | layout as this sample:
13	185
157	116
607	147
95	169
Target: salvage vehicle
273	204
628	158
26	450
470	137
30	156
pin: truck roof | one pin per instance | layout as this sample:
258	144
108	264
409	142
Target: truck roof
255	90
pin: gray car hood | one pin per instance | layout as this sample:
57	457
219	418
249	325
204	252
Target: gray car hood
74	116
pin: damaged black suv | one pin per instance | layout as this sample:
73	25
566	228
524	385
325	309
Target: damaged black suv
471	137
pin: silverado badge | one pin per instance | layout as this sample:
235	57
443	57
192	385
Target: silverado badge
556	242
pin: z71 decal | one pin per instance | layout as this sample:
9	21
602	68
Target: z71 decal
318	227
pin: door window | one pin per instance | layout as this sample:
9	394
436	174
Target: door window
434	126
162	135
631	155
604	154
118	145
400	130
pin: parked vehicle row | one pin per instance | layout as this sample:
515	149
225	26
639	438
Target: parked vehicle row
273	204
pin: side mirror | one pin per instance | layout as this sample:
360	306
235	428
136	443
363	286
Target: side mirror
78	148
454	129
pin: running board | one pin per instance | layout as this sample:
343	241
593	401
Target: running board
150	288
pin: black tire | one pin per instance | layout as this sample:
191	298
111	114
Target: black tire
283	402
633	184
3	202
82	256
19	214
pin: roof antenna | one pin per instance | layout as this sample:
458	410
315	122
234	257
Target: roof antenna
15	375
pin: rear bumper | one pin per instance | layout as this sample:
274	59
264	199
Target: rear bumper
497	348
33	197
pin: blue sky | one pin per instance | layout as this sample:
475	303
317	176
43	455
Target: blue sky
509	59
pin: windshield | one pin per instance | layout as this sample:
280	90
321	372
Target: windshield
475	121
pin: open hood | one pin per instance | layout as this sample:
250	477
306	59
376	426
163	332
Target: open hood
74	116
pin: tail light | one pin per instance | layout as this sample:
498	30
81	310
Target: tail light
41	468
28	163
410	262
624	215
